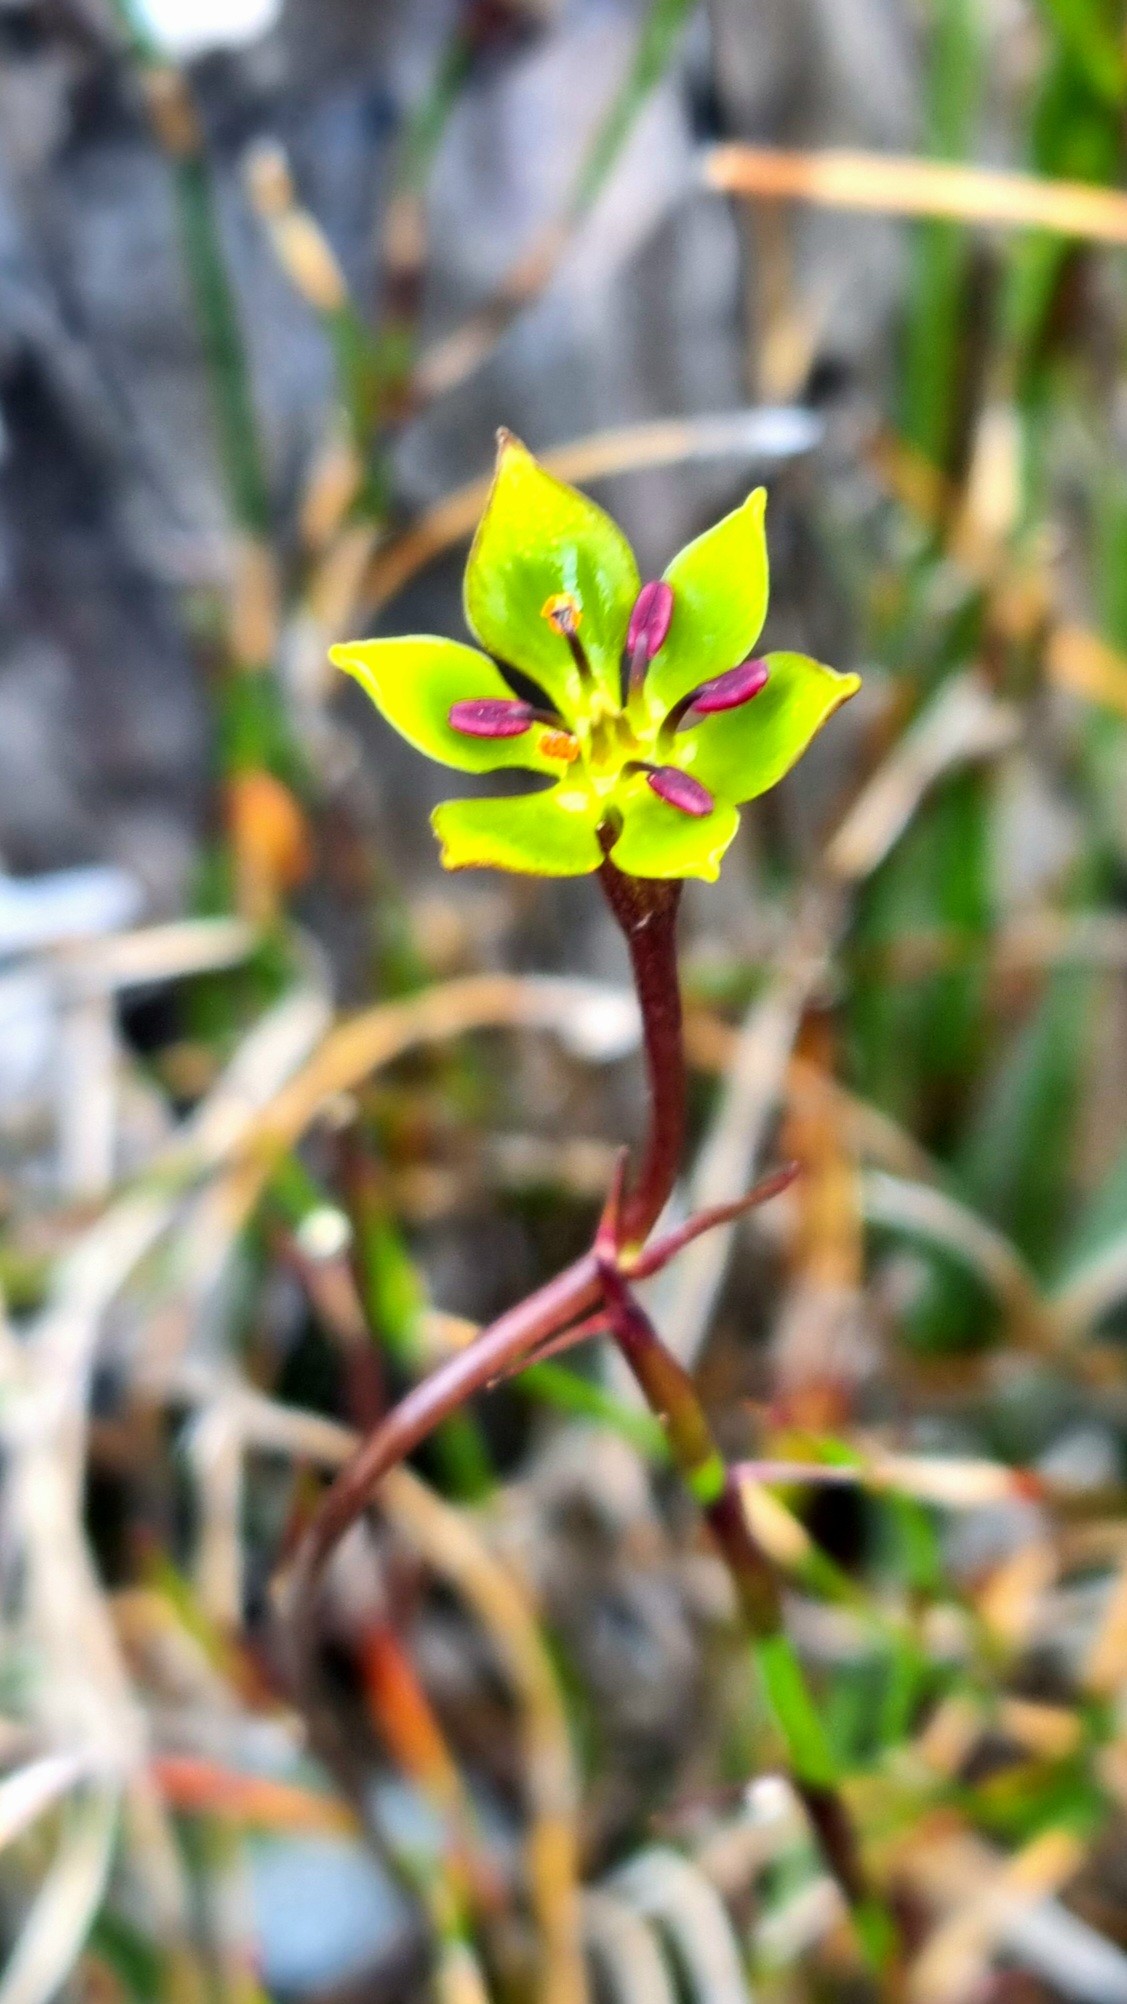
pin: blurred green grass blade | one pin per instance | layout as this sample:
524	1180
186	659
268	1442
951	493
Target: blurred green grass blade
936	327
851	1707
1089	31
1015	1165
1074	135
654	51
295	1192
1101	1220
427	122
795	1713
395	1298
916	1042
140	1966
393	1291
216	311
569	1393
224	349
1111	553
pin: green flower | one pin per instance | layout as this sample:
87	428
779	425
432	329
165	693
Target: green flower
652	722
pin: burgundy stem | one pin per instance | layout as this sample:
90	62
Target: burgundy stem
646	909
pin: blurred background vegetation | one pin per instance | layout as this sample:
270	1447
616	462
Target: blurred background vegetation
283	1112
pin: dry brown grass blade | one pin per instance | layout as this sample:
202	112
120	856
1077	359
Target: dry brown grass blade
453	1546
1105	1666
624	1949
451	360
361	1045
154	953
903	185
215	1453
29	1791
1091	1291
252	1801
964	723
300	244
58	1921
986	1899
625	449
1084	665
1012	1598
672	1893
931	1214
87	1702
724	1168
818	1350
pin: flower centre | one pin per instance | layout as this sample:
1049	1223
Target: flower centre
616	742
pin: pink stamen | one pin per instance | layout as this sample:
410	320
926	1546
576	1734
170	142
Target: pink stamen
680	790
727	692
491	717
649	621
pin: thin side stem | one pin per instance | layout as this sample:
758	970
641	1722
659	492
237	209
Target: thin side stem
646	909
570	1295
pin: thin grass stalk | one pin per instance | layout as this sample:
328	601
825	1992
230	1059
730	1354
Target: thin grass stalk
671	1394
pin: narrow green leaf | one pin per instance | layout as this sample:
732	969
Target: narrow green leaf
796	1715
1086	32
654	50
935	341
1016	1162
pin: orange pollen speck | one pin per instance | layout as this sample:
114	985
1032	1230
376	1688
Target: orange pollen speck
562	612
559	744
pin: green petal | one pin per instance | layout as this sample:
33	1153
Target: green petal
720	584
414	682
539	538
739	754
550	834
660	841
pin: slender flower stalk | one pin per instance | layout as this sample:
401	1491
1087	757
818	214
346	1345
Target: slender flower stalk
672	1396
657	724
646	910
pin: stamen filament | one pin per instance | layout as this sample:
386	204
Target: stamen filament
563	616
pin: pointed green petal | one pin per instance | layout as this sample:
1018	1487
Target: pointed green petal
739	754
720	586
550	834
660	841
415	682
536	540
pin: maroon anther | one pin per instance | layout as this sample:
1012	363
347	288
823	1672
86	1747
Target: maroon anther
649	621
727	692
681	790
491	717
